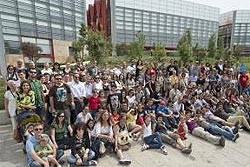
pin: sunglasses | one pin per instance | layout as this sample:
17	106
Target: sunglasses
33	72
58	78
38	129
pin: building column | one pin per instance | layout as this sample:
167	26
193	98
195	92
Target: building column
2	52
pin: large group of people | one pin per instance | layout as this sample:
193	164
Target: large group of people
92	110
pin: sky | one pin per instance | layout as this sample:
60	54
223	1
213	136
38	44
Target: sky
224	5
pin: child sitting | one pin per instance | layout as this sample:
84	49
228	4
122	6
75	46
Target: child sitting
182	128
45	151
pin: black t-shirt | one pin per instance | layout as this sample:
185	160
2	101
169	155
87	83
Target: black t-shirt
61	96
113	101
171	68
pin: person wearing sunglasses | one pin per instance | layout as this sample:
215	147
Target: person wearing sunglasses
33	159
61	98
60	129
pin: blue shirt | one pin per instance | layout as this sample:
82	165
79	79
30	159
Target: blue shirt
162	109
30	145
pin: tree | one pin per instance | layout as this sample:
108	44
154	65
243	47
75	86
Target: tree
199	52
212	46
184	47
158	51
237	49
220	48
136	48
79	45
97	45
31	50
122	49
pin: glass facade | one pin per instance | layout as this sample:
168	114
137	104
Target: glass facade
235	29
40	19
164	21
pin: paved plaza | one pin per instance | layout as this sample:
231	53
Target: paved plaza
204	154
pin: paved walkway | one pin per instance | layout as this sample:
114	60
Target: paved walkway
204	154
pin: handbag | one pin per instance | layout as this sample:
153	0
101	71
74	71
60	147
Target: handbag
102	148
123	138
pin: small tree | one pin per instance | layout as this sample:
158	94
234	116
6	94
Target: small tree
122	49
158	51
79	45
31	50
97	46
184	47
212	46
199	52
220	48
136	48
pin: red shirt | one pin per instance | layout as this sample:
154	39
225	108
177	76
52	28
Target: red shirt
243	80
94	102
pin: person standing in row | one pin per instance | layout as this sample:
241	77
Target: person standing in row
61	98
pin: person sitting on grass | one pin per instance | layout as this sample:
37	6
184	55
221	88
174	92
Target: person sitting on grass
45	152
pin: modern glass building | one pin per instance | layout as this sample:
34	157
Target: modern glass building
234	28
51	24
162	21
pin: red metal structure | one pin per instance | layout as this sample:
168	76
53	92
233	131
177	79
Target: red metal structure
97	16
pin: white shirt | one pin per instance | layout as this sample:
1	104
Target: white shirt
12	102
83	118
77	89
88	88
147	131
49	71
107	130
98	86
177	107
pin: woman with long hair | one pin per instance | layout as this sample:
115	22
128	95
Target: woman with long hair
104	134
59	131
25	98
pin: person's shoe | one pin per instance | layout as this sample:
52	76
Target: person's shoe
164	150
222	142
190	146
236	128
236	136
124	161
59	165
144	147
186	150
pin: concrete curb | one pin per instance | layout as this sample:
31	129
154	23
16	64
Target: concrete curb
4	119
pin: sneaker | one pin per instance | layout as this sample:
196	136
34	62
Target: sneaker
222	142
124	161
59	165
164	150
186	150
144	147
190	146
236	136
236	127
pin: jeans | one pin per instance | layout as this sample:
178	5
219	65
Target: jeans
215	130
72	159
59	154
153	141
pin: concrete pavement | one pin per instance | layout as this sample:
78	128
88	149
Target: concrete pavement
204	154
